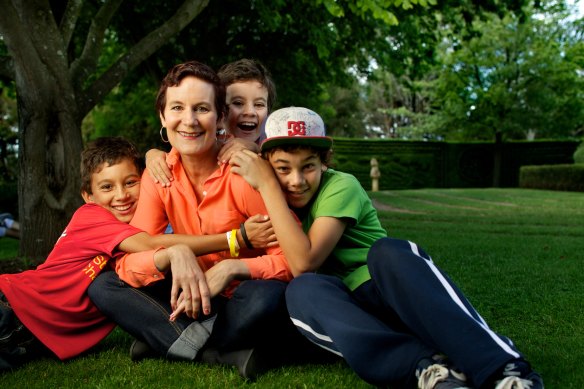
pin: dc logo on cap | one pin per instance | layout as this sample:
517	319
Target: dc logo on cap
296	128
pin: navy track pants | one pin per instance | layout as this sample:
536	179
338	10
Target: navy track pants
409	310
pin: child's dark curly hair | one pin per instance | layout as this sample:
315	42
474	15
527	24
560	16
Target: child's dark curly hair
110	150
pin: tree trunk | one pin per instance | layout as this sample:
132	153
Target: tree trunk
48	187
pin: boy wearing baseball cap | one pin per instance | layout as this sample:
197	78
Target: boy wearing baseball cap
378	302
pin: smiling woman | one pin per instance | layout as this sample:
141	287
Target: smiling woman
205	199
191	122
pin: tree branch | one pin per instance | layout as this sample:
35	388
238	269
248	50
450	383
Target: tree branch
46	38
20	47
69	20
86	64
142	50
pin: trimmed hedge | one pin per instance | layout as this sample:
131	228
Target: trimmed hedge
418	164
579	154
553	177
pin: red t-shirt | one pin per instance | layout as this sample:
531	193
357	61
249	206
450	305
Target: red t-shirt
52	301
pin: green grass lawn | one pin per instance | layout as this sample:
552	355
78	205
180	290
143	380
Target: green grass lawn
8	248
517	255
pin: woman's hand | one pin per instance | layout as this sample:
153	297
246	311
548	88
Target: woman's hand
221	274
232	146
259	232
190	292
157	168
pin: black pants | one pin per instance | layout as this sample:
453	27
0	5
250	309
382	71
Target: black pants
17	344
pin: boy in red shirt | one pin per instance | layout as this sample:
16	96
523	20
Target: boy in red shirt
47	310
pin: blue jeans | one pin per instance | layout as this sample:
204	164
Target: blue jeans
255	313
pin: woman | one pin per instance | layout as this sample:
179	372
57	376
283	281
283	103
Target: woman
204	199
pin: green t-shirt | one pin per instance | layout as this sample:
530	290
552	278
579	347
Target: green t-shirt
341	196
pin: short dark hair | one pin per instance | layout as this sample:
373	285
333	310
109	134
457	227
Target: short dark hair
249	70
325	155
110	150
192	69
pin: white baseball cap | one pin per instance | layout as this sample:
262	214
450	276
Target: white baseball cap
295	126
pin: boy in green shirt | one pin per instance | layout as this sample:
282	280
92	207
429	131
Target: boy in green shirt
380	303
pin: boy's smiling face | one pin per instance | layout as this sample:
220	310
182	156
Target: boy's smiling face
299	173
248	108
116	188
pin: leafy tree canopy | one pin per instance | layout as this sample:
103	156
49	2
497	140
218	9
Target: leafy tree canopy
315	51
522	78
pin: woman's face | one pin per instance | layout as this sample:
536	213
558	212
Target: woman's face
190	117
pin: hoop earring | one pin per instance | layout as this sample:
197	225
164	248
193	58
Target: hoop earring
162	134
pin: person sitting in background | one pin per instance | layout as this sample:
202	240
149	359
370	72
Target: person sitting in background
9	227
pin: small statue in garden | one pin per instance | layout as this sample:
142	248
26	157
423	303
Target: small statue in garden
374	174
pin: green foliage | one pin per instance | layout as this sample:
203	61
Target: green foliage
415	88
393	103
402	164
515	253
553	177
516	75
467	71
345	111
316	51
128	112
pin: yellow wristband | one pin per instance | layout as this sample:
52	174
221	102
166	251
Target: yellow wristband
233	243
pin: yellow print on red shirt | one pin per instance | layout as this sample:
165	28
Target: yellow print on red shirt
95	266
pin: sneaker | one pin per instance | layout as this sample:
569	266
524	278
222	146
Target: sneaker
518	375
435	373
18	346
140	350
